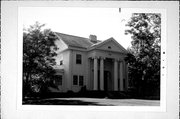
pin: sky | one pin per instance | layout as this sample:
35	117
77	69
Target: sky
102	22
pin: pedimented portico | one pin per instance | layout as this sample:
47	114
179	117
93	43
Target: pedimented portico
107	67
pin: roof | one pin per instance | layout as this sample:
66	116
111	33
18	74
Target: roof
75	41
80	42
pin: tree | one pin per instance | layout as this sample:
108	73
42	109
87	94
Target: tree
39	50
144	54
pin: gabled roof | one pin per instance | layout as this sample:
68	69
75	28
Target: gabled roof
98	45
75	41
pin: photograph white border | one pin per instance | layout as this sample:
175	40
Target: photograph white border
10	48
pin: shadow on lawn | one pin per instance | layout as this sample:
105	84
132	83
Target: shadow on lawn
58	102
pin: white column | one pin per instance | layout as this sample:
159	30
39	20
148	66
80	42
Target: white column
87	79
102	74
95	87
115	76
127	80
121	76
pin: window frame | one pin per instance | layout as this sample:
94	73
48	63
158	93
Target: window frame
61	62
78	60
75	84
58	80
81	77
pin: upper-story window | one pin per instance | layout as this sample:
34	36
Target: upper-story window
61	62
78	59
60	57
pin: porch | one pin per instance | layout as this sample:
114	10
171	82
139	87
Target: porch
108	74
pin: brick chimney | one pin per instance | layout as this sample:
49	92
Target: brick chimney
93	38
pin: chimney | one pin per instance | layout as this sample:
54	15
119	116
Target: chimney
93	38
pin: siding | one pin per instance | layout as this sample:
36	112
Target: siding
79	69
67	78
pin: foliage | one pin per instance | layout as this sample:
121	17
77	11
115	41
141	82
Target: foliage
39	50
144	54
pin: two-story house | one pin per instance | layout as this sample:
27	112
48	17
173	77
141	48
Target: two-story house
97	65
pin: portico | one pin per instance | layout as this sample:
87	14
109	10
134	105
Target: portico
109	74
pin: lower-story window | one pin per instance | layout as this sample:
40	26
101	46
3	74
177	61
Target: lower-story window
78	80
81	80
58	80
75	80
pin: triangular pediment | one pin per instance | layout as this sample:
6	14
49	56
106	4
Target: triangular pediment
110	45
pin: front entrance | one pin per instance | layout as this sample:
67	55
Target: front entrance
107	79
112	75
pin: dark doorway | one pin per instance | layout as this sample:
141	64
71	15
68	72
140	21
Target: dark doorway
107	78
98	79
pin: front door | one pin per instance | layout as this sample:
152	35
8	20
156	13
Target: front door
107	78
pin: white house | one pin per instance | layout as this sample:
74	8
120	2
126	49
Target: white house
97	65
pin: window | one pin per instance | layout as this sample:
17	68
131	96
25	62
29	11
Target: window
81	80
109	47
61	62
78	59
75	80
58	80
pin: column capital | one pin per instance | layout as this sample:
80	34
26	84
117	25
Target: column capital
120	59
102	58
115	60
90	57
96	57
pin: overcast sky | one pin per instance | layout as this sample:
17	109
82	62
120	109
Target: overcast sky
102	22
